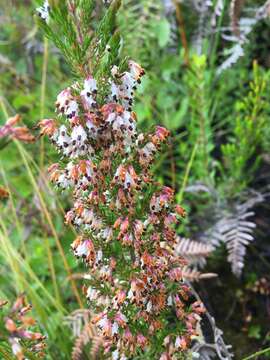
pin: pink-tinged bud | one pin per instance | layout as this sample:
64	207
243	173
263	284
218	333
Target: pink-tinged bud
117	223
48	127
31	335
124	225
167	340
112	263
142	340
14	120
180	211
121	297
175	274
128	335
165	356
69	217
10	325
121	319
160	135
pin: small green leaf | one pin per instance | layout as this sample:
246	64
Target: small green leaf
254	332
163	31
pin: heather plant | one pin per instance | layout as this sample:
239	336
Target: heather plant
124	218
199	84
16	332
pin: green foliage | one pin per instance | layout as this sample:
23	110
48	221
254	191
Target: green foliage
199	124
145	30
220	132
87	49
241	155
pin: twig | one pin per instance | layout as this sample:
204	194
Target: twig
182	32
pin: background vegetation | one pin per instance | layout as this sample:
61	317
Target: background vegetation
207	81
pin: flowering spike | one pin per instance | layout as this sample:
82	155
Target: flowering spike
125	220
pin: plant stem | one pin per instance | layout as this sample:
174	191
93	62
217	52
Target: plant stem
182	32
43	95
261	352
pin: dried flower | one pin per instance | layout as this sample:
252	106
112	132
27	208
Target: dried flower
21	133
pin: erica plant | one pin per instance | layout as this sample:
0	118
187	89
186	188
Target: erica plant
16	335
125	219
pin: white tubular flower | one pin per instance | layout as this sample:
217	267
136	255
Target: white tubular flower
92	129
88	93
115	355
63	139
99	257
177	342
64	182
72	109
78	134
115	328
44	11
92	294
149	306
169	300
115	92
82	250
16	347
90	85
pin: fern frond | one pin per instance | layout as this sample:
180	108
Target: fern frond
85	333
87	336
235	229
241	27
79	345
97	344
237	232
193	251
195	275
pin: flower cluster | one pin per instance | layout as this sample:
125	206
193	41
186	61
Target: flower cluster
17	324
125	219
21	133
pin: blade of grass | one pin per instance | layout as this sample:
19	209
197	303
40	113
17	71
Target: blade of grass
46	213
43	177
187	172
49	220
43	94
13	209
19	265
258	353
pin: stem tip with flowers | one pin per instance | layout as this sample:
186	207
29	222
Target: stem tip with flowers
125	220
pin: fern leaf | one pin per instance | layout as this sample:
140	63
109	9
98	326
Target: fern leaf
97	344
235	229
195	275
85	333
236	232
237	237
193	251
87	336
